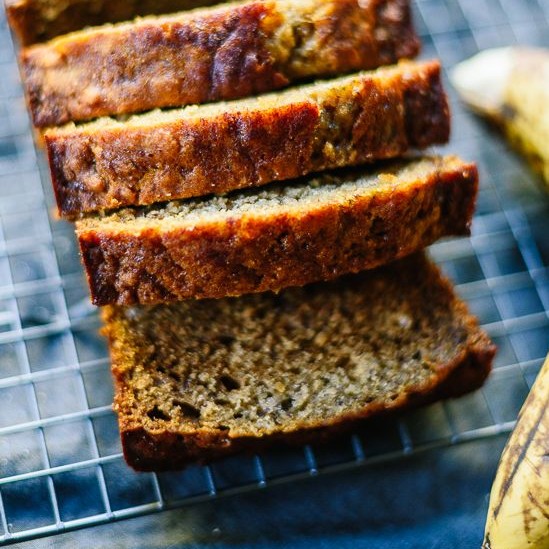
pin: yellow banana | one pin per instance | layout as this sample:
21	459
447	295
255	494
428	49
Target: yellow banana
511	87
518	513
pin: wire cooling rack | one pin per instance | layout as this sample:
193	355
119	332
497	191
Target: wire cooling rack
60	459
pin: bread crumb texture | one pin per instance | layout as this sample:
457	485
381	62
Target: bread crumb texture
212	371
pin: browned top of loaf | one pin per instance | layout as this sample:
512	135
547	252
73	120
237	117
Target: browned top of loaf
230	51
39	20
278	236
200	379
215	148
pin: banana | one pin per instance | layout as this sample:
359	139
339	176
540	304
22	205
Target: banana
510	86
518	513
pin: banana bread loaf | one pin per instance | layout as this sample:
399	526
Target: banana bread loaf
39	20
215	148
278	236
230	51
198	380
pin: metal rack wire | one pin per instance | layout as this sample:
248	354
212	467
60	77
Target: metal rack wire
60	460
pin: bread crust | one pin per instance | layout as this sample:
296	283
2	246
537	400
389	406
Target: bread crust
367	117
40	20
160	448
217	54
254	253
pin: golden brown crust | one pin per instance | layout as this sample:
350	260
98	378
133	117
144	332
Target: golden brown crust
192	158
373	115
463	370
40	20
212	55
254	253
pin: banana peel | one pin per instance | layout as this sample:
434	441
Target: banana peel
518	512
510	86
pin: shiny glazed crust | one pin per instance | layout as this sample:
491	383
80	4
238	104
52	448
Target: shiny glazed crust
245	143
255	253
209	55
158	445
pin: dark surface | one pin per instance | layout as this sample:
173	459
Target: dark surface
436	500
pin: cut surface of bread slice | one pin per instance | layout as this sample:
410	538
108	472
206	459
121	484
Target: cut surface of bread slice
279	236
215	148
40	20
230	51
198	380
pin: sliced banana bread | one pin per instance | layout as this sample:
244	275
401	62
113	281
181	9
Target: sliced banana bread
39	20
215	148
278	236
230	51
198	380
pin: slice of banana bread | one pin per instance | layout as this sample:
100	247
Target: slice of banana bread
198	380
215	148
39	20
279	236
230	51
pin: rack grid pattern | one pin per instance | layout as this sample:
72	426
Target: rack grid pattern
60	460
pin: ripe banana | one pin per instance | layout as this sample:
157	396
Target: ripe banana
518	513
510	86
